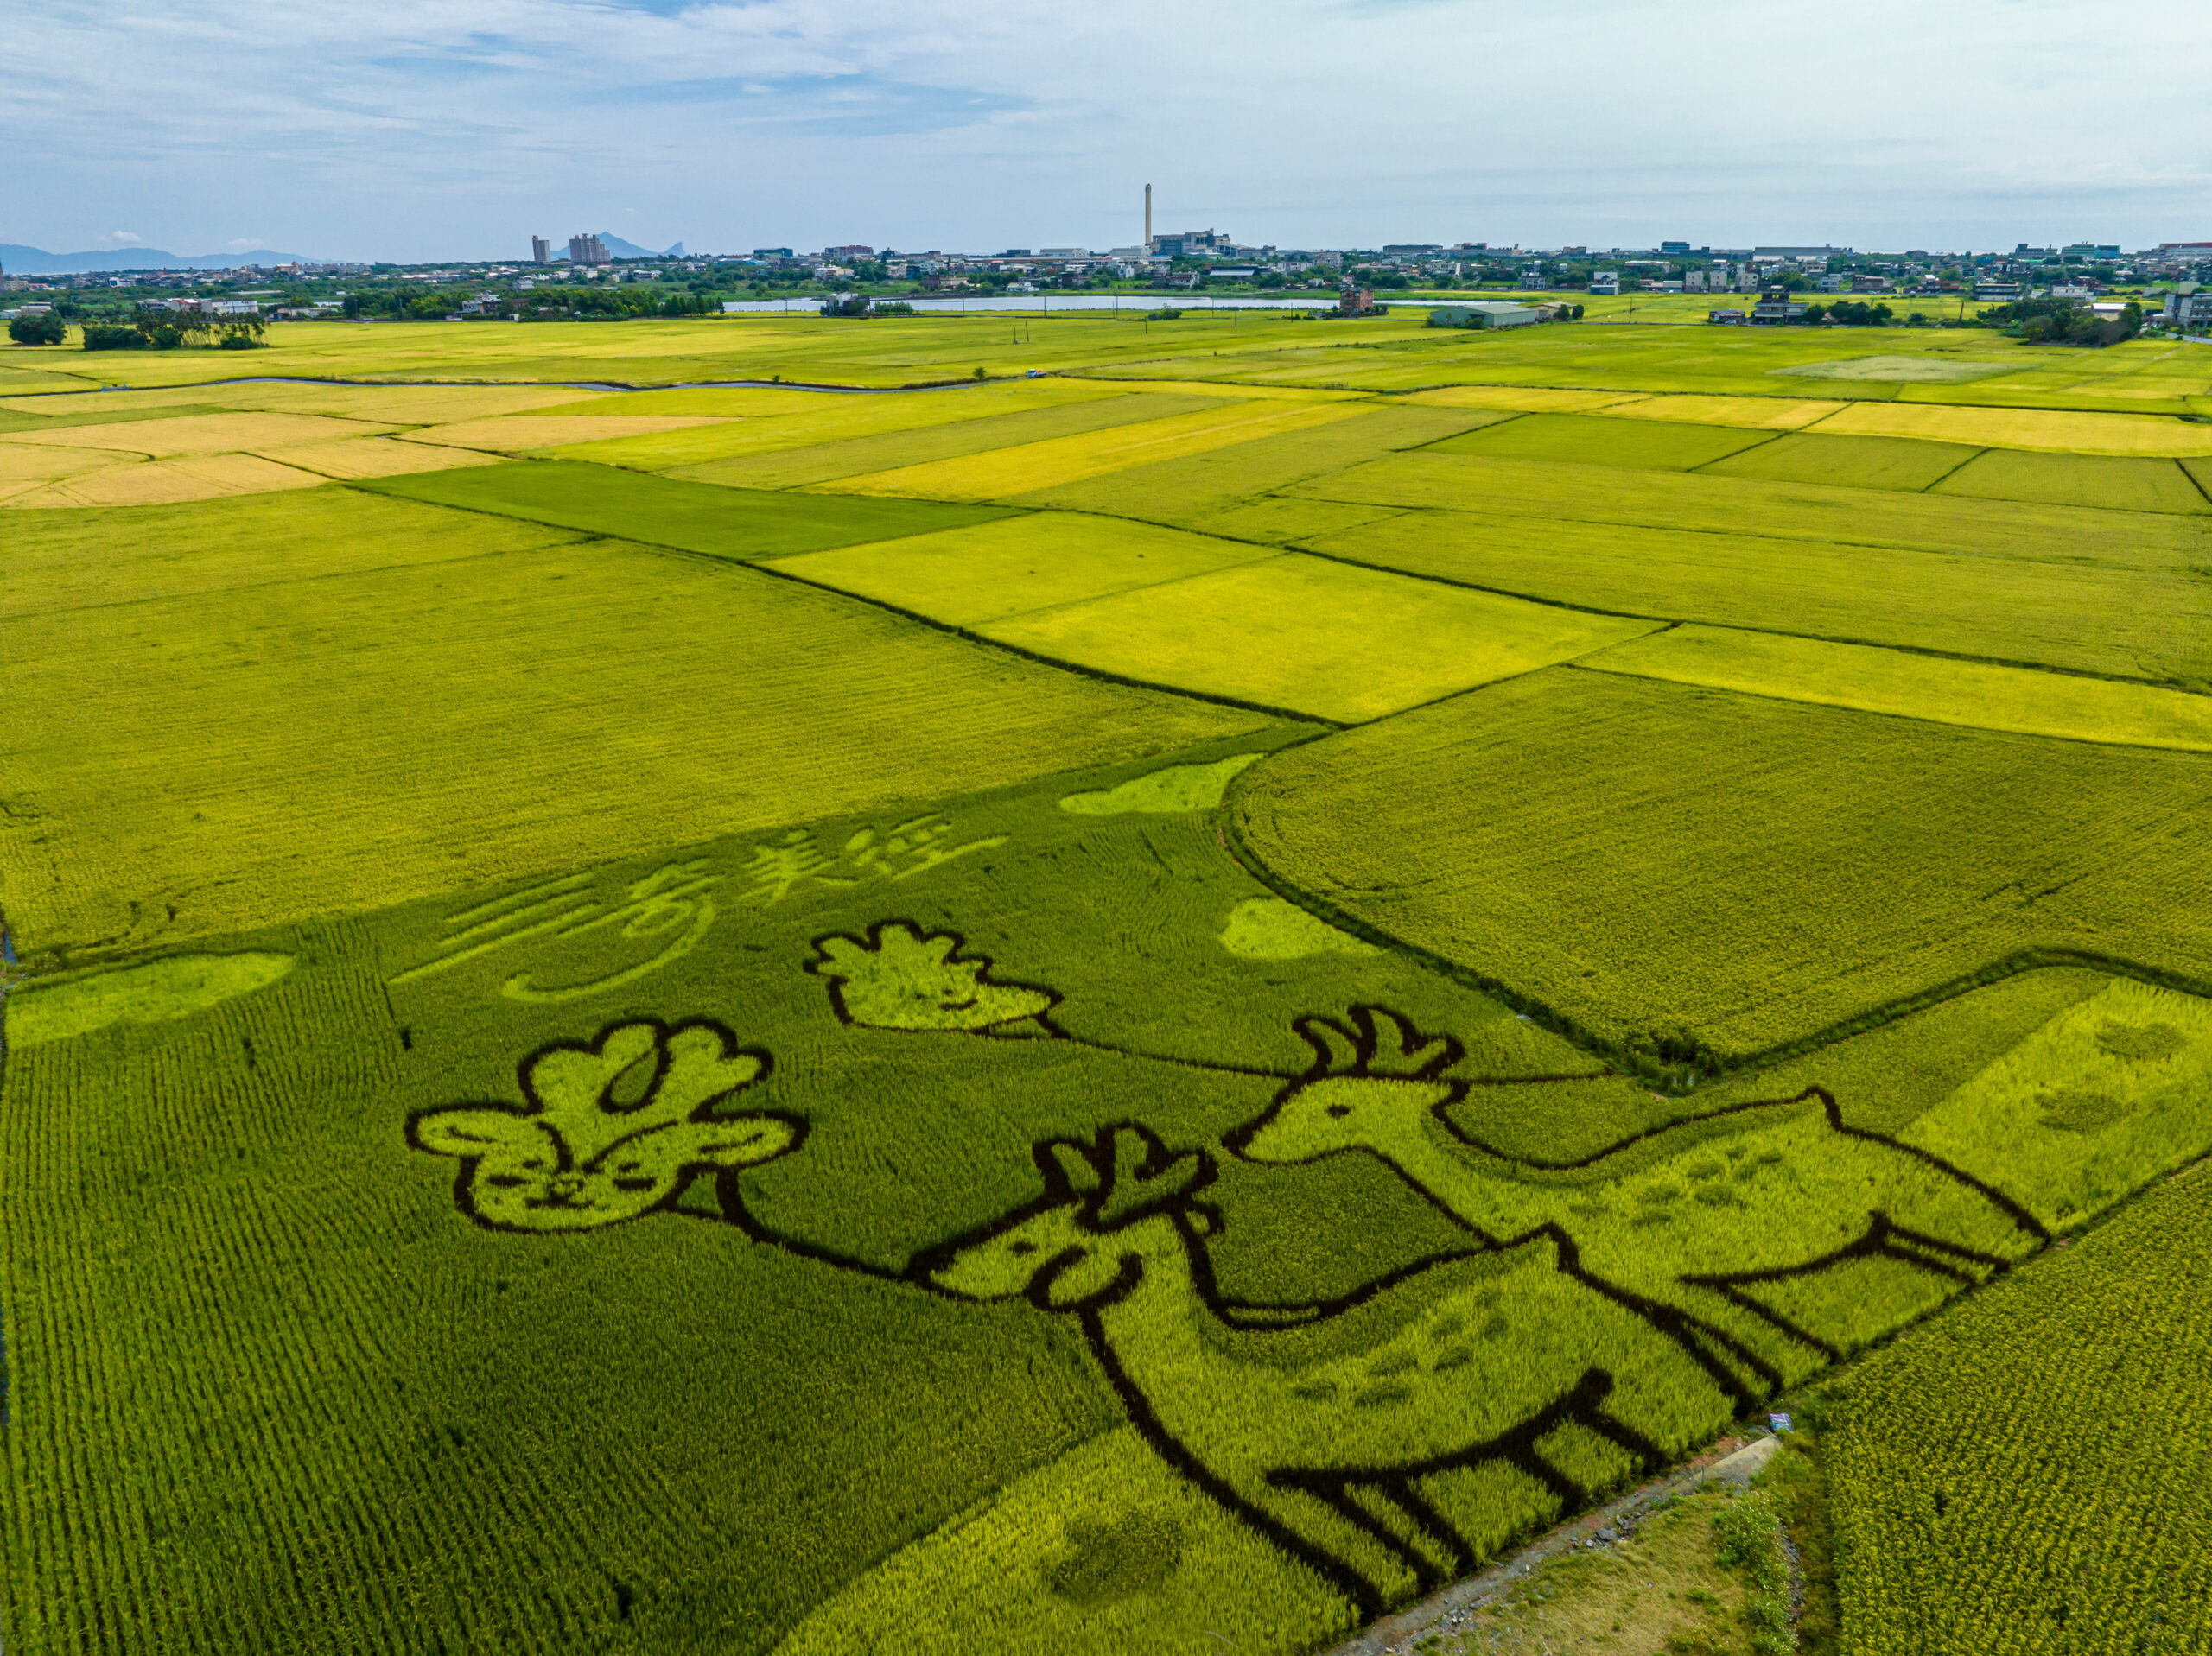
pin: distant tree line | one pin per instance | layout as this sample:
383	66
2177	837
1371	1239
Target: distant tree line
2060	322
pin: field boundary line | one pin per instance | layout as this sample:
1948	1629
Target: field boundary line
1583	660
1739	627
1706	1066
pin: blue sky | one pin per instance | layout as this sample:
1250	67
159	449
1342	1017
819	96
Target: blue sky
452	129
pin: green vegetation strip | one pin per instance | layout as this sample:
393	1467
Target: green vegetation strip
669	511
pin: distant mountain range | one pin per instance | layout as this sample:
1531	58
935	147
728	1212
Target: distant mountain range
18	260
623	249
36	261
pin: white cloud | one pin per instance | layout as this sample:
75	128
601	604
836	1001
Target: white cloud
427	128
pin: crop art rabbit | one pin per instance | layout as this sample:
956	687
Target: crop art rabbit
611	1130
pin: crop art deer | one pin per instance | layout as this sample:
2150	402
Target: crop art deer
1322	1452
1713	1221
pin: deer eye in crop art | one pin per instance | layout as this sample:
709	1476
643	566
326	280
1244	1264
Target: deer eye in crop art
611	1130
899	977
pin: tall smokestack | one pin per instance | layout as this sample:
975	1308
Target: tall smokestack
1147	218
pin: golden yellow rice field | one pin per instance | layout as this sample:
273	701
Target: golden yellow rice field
518	434
1007	473
2056	431
1522	399
1762	412
1313	636
1977	694
1019	566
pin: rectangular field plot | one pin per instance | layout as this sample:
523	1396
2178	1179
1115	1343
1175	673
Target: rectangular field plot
1520	399
1739	505
1756	413
2051	430
204	433
781	423
2149	622
1597	440
1918	687
669	511
519	434
353	458
179	766
86	559
1031	467
1660	862
2105	481
1901	463
988	573
1202	491
1312	637
762	462
157	483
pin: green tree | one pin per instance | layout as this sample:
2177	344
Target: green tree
46	329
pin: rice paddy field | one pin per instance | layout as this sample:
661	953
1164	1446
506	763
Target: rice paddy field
791	987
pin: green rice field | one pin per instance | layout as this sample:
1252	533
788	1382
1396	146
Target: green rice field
777	986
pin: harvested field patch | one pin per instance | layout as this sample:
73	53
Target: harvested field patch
1017	565
1597	440
668	511
38	462
1312	636
1902	463
157	483
204	433
1910	686
1028	467
1666	865
2050	430
405	405
694	694
2104	481
352	457
518	434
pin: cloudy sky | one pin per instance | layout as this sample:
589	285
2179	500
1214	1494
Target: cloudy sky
452	129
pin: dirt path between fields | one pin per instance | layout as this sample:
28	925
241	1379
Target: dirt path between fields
1733	1460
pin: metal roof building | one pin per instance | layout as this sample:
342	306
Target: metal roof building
1490	312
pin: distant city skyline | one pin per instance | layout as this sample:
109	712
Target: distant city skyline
416	132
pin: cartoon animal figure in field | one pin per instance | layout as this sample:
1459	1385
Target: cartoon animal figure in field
609	1131
1769	1220
900	977
1331	1448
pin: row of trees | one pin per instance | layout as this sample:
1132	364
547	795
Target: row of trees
152	331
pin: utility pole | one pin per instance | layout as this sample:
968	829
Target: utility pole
1147	218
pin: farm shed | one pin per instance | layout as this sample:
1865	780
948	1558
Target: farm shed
1483	313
